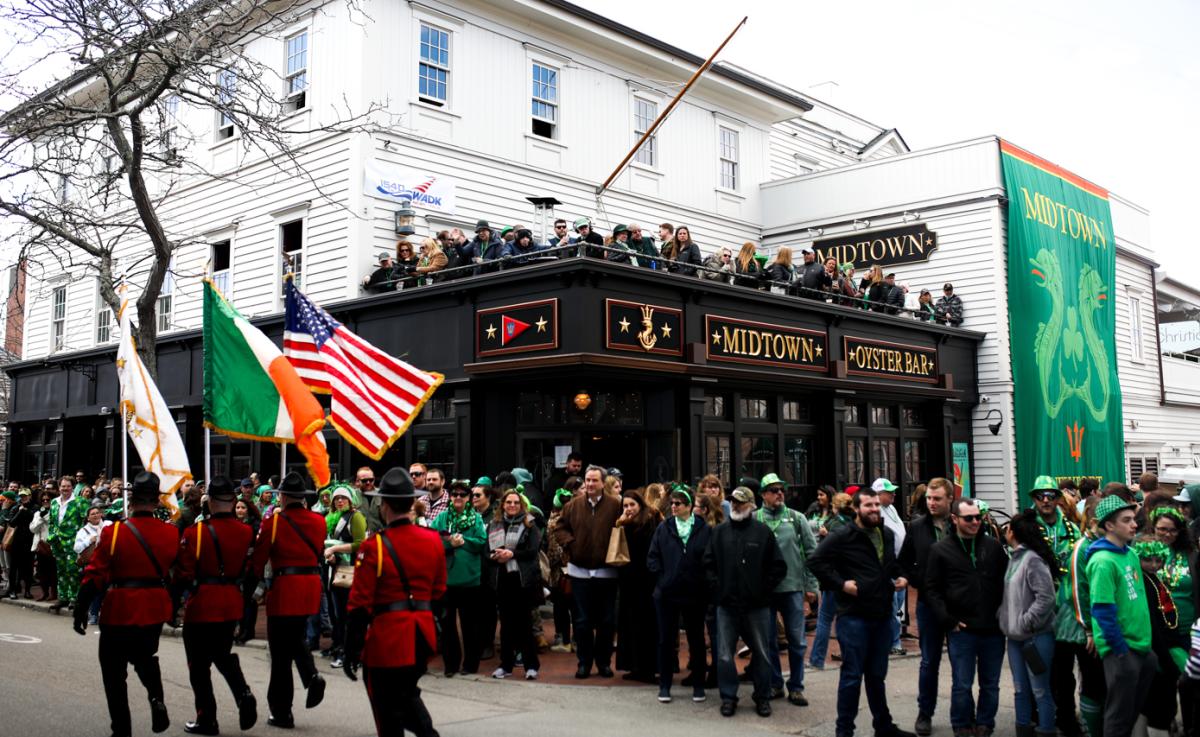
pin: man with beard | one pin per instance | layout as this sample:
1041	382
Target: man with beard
743	566
858	563
923	533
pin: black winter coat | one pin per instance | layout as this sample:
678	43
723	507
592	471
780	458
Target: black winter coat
848	554
877	297
812	277
914	554
525	554
743	564
750	276
679	568
686	260
895	299
962	589
778	274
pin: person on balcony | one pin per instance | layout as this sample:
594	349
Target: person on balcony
924	306
876	290
810	276
779	273
380	280
485	246
406	263
949	308
719	266
523	250
682	253
643	245
851	296
746	267
432	259
619	251
585	234
896	294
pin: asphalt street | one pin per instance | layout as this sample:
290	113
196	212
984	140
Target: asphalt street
51	688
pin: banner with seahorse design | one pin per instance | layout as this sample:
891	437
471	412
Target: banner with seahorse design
1062	323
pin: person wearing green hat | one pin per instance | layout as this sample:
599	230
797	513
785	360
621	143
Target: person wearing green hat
1121	624
1168	638
1070	640
796	543
585	234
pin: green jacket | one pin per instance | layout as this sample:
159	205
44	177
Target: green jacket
1062	536
796	542
645	250
463	564
62	534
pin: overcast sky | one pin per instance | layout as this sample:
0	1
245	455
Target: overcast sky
1109	90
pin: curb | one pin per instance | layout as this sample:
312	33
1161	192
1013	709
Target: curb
168	630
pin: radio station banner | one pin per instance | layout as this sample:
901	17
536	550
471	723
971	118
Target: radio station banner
763	344
643	328
517	328
1062	323
906	245
886	360
428	191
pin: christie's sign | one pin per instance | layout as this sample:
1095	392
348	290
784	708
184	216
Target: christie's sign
889	360
905	245
763	344
430	191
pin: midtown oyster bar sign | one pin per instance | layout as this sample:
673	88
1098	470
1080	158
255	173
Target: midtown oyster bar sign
905	245
763	344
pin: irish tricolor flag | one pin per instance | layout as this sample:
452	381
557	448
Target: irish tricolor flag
251	391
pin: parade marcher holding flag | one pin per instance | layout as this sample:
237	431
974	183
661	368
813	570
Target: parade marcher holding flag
213	558
132	560
292	540
150	424
391	630
252	392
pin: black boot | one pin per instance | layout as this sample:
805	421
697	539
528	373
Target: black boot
247	710
159	721
198	727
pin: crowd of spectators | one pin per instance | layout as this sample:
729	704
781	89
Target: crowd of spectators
1050	589
451	254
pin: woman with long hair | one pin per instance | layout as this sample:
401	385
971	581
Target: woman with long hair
876	291
841	512
676	560
711	486
1027	618
747	269
512	545
821	510
708	509
432	259
779	273
1170	527
682	252
635	587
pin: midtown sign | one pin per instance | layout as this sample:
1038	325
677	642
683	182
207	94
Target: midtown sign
905	245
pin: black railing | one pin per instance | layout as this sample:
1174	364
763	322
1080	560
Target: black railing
635	259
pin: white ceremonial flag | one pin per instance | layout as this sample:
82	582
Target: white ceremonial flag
147	419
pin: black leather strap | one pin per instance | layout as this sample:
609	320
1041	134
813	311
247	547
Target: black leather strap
162	576
297	571
216	549
409	605
399	568
315	550
138	583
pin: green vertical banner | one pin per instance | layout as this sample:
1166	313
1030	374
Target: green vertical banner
1062	323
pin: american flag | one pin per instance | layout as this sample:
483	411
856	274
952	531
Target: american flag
374	396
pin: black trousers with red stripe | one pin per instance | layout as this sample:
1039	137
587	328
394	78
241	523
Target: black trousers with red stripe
396	700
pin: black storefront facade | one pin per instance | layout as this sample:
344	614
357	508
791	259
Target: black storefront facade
664	376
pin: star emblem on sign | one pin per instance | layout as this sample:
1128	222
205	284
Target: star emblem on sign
624	325
541	324
666	330
491	332
818	351
716	337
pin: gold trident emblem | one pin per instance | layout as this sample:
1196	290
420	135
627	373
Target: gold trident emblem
1075	440
647	337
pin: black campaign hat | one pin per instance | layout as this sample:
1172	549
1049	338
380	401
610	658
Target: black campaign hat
395	484
221	489
293	485
145	487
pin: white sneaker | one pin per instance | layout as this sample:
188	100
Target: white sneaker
531	674
501	673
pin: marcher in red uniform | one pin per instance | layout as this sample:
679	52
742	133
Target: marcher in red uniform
213	558
390	629
133	559
292	540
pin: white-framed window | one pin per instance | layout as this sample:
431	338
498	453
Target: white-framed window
58	318
104	323
644	113
544	102
1135	328
433	67
166	300
728	156
170	123
226	91
296	72
221	253
291	252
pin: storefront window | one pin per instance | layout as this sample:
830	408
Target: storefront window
755	408
883	459
438	408
797	461
718	457
854	415
914	461
856	460
883	416
436	451
913	417
796	411
758	455
714	406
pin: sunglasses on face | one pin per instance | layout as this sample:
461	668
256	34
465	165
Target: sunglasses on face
677	503
366	481
457	494
1046	496
477	495
416	474
971	517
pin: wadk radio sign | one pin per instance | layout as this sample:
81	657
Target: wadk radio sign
1062	321
428	191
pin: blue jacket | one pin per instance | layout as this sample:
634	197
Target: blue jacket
490	251
679	568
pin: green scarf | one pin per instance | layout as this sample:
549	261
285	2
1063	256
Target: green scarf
685	528
332	519
462	521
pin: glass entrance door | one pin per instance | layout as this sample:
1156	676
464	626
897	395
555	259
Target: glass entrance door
541	453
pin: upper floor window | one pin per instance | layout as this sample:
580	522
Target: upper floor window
58	319
226	91
166	300
644	113
727	150
104	323
1135	328
296	76
433	72
170	125
220	253
291	246
545	101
